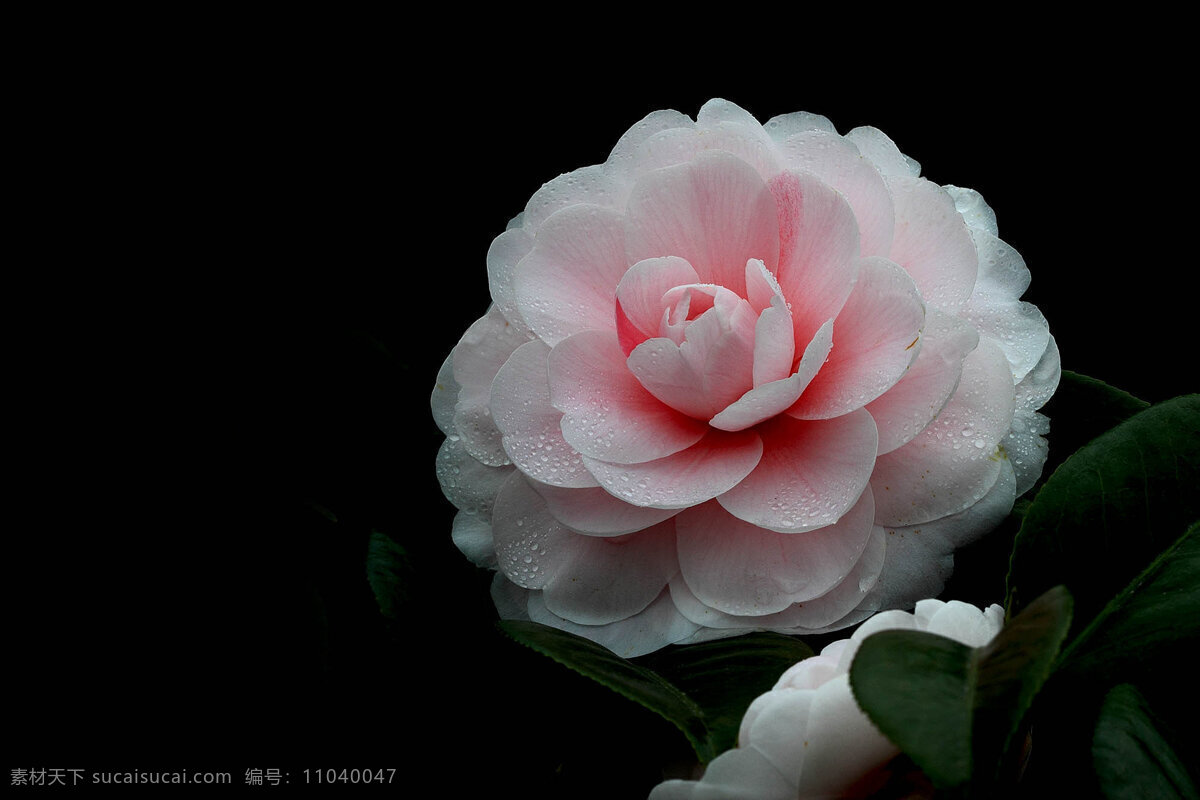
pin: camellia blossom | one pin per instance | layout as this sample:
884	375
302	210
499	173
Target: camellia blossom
740	376
807	737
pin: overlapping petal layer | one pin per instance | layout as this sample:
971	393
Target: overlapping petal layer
740	376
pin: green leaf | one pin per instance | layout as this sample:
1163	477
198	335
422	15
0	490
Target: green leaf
954	709
724	676
388	571
635	682
1157	616
1081	409
1133	760
1110	509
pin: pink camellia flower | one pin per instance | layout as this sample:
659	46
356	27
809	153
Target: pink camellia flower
740	377
807	737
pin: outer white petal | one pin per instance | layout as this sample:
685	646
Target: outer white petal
590	185
622	162
877	146
1026	448
1040	384
444	398
920	558
505	252
466	482
996	311
659	625
472	535
953	462
975	212
477	358
783	126
531	426
833	610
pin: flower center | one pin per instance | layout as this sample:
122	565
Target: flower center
701	347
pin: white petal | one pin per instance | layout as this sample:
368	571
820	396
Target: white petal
477	358
875	145
505	253
531	426
659	625
920	558
444	398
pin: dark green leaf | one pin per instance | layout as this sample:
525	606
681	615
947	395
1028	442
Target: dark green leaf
1133	760
1081	409
724	676
1012	668
954	709
1110	509
918	688
635	682
1157	616
388	571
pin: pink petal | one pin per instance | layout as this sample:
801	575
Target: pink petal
770	399
774	345
598	513
660	365
811	472
932	243
567	282
708	468
774	341
606	580
741	569
715	211
640	293
531	426
727	349
607	413
818	250
837	162
877	334
712	364
906	408
761	286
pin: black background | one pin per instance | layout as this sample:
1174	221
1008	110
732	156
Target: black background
251	261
